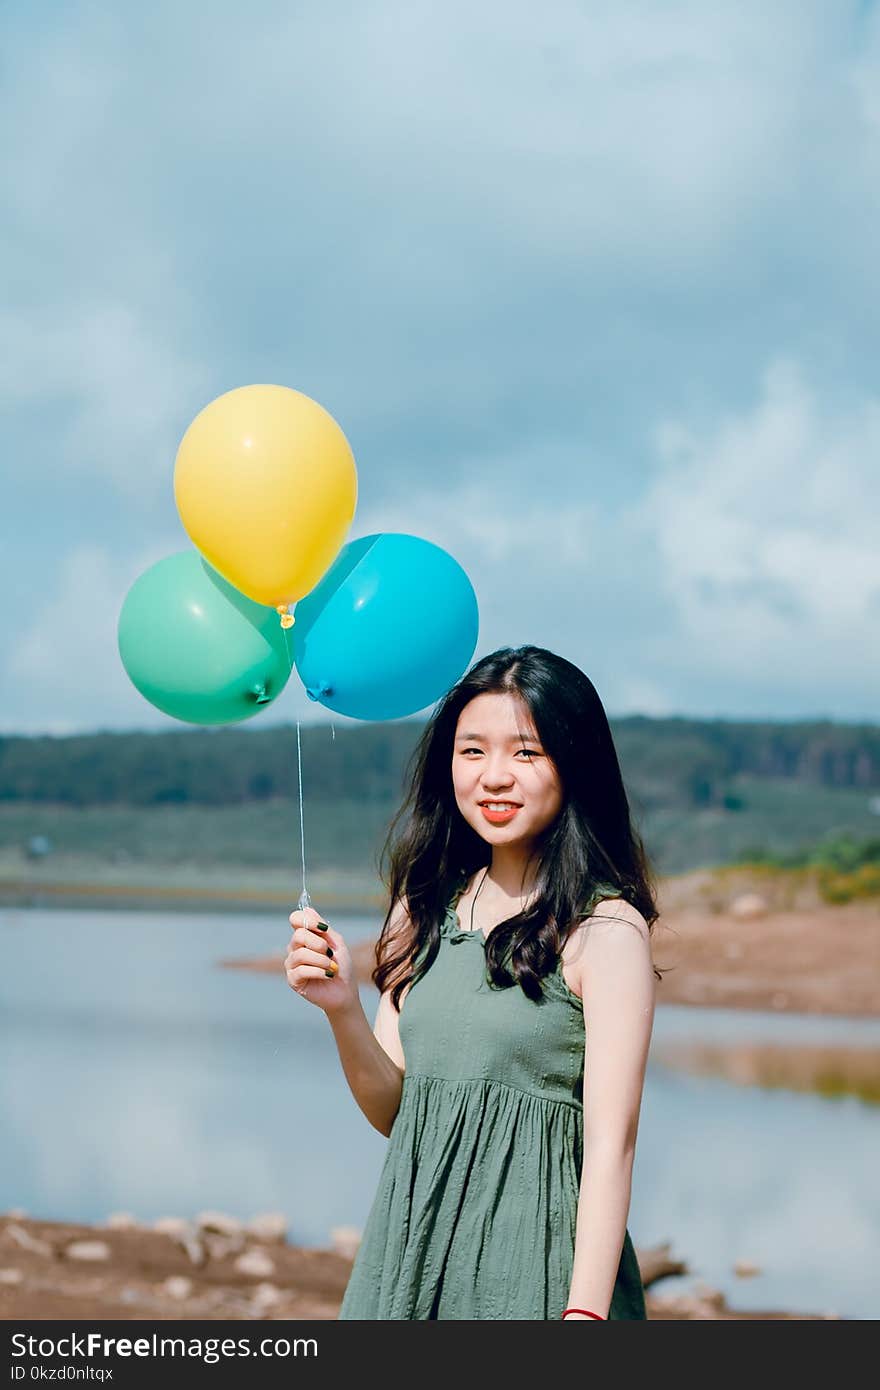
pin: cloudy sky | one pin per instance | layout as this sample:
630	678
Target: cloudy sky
592	292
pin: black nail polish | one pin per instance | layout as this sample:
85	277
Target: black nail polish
329	974
321	926
330	950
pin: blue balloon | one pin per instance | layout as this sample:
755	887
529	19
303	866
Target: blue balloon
391	626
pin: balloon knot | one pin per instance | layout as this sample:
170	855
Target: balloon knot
315	692
260	693
283	611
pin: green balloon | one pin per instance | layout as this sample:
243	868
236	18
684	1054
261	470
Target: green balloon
199	649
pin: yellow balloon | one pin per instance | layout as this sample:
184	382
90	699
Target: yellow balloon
266	487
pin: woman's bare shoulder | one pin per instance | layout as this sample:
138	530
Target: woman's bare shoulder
613	911
609	916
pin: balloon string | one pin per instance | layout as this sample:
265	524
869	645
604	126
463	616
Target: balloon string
304	899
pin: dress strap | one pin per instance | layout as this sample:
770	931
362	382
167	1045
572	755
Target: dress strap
451	928
600	891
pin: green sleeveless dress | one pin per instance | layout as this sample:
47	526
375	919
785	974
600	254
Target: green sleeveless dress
474	1216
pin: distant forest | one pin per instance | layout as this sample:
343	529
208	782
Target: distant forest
667	763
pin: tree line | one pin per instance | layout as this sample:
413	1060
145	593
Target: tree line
665	762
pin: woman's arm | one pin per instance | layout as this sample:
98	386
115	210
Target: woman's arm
372	1060
375	1079
617	986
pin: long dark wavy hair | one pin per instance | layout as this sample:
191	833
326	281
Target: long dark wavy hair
431	851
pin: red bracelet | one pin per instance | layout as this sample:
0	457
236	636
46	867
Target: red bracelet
586	1312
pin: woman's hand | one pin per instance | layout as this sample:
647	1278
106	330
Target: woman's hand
318	964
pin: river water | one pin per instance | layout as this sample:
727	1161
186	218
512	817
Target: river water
138	1076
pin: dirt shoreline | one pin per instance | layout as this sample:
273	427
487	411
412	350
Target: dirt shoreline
215	1268
811	959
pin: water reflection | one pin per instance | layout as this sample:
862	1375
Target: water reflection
829	1071
138	1076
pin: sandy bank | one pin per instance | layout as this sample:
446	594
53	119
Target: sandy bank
811	958
55	1270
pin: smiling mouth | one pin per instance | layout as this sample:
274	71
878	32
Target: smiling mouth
498	812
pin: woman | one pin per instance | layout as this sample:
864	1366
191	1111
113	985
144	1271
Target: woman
517	995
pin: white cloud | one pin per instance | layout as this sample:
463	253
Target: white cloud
754	536
494	245
118	387
516	512
765	526
750	563
63	672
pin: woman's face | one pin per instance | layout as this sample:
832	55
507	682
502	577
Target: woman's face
497	757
